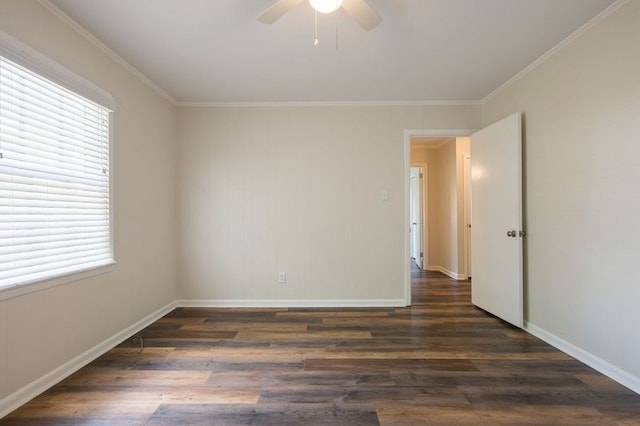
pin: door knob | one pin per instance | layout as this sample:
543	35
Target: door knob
511	234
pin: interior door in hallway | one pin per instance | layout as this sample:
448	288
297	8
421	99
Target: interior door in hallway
496	246
417	214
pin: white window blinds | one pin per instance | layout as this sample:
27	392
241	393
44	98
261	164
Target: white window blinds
54	179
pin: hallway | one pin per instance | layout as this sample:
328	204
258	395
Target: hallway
435	287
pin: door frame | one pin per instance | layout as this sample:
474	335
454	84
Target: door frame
408	134
467	213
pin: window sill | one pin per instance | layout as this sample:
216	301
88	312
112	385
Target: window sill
12	291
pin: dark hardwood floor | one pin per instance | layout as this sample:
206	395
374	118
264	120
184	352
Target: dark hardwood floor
442	361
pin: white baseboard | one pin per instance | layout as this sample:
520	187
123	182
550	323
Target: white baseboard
35	388
447	272
293	303
623	377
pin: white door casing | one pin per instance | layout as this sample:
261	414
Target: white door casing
496	247
466	161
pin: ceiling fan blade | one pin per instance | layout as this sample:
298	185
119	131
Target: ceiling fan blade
362	13
276	10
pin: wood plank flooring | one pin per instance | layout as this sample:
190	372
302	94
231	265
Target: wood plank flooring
440	362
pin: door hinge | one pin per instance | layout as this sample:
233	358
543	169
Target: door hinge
421	254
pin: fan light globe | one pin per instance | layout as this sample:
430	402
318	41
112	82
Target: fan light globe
325	6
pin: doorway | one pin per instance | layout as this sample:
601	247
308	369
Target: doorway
410	242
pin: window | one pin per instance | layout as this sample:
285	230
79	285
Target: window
55	217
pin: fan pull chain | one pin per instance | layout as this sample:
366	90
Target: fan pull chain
315	42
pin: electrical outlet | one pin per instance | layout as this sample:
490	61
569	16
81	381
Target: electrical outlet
282	277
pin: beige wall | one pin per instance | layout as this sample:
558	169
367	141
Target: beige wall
582	169
444	254
42	330
263	190
422	154
463	149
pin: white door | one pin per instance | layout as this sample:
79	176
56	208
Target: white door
415	194
496	247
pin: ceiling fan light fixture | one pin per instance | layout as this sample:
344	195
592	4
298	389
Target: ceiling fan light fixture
325	6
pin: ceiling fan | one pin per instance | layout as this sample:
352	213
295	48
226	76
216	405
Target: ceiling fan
358	9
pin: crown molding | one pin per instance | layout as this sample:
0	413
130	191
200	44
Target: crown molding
325	104
100	45
545	56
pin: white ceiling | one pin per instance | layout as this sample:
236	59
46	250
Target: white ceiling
214	51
